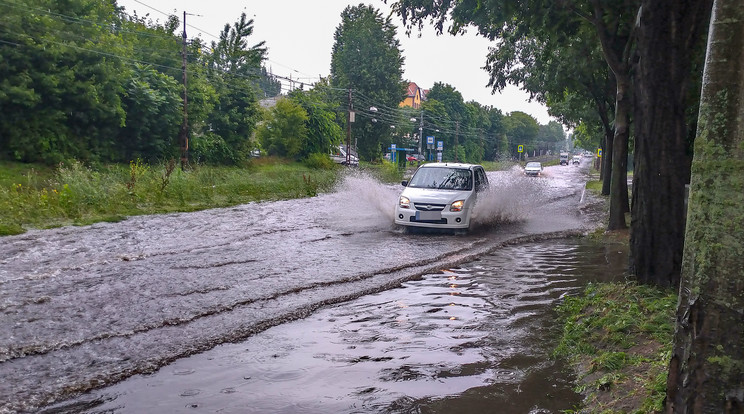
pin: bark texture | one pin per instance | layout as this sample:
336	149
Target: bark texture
706	372
667	33
619	178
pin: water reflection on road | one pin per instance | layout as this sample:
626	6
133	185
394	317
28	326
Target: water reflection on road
470	339
90	306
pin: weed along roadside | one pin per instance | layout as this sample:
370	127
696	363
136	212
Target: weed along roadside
618	338
37	196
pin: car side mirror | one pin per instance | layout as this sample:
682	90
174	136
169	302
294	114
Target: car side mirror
404	183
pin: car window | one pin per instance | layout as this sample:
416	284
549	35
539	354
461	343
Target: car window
442	178
481	181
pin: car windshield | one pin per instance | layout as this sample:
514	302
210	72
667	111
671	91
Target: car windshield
442	178
533	165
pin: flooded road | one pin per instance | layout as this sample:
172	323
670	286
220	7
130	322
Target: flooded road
86	307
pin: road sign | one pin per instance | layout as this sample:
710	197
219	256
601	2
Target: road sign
520	148
430	140
440	145
599	152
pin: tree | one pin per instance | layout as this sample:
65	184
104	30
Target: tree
284	134
366	58
660	125
706	372
153	106
323	132
550	137
60	92
235	71
668	35
522	129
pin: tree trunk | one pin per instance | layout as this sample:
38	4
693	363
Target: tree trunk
706	373
606	166
619	176
666	35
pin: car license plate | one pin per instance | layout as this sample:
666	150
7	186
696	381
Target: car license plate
428	215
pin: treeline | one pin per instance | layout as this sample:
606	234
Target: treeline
85	80
82	79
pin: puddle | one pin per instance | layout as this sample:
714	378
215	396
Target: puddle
471	339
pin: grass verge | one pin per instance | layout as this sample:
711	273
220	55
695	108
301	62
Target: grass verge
619	338
36	196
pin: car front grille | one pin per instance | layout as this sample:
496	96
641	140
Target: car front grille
429	207
440	221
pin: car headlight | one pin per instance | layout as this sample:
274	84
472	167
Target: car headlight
404	202
457	205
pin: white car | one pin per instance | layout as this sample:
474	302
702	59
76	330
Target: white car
533	168
441	195
338	155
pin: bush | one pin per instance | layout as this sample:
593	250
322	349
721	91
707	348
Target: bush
319	161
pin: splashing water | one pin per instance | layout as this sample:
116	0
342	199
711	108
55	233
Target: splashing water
511	198
362	202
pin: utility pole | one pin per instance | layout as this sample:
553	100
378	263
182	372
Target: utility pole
457	131
183	135
421	132
348	131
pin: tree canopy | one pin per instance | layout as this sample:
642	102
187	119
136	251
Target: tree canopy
366	58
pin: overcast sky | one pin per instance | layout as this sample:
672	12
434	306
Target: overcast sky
299	38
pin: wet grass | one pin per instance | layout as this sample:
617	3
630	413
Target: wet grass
37	196
619	337
386	172
595	186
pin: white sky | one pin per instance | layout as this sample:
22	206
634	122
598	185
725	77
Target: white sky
299	38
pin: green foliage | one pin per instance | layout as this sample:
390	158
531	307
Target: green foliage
522	129
386	172
366	57
59	97
319	161
76	194
603	328
284	133
235	66
154	113
323	132
84	80
213	149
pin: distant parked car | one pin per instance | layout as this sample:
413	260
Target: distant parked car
533	169
338	155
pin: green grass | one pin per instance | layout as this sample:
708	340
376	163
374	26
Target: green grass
621	336
497	165
594	186
36	196
386	172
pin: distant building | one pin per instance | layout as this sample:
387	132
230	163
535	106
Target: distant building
414	96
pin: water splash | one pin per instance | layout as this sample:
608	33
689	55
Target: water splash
512	197
361	202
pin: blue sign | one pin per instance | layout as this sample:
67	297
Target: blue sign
440	145
430	140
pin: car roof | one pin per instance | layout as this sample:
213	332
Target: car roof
450	165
